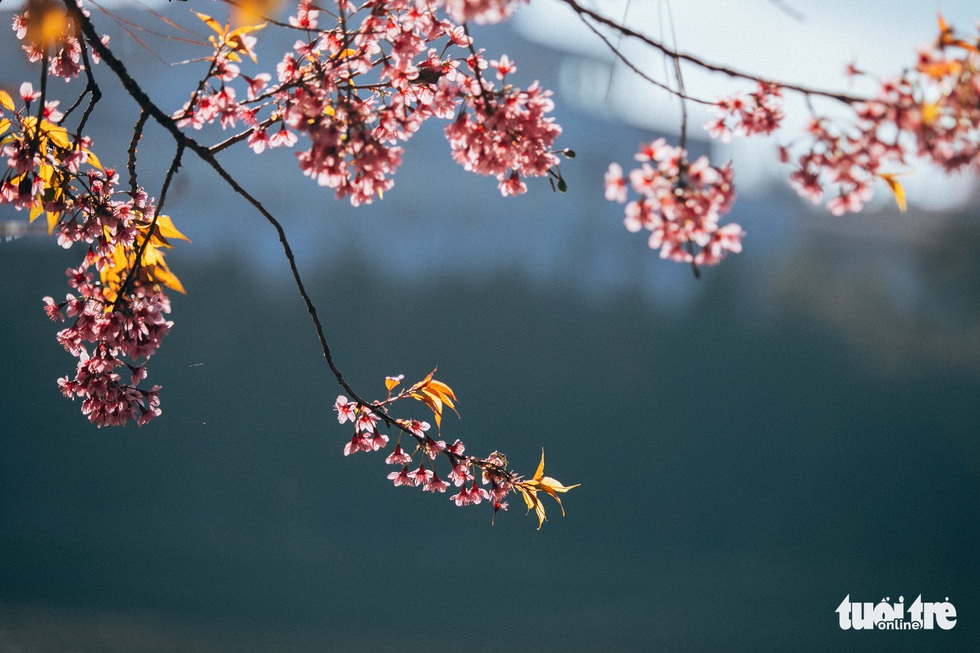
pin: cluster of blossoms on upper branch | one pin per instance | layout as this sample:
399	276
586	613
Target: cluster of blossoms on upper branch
364	79
477	479
931	111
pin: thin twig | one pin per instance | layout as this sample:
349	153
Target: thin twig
697	61
90	86
133	273
629	64
131	162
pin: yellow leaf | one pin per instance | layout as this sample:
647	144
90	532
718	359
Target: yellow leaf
162	274
153	269
36	209
443	391
93	160
897	189
165	227
4	126
212	23
941	69
58	135
539	482
45	172
6	101
53	217
52	220
392	381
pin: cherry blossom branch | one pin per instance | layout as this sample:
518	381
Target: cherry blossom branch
204	153
238	138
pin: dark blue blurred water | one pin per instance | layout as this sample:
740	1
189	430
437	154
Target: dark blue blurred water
738	479
798	426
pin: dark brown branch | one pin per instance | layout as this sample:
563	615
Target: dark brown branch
697	61
238	138
90	86
629	64
133	274
131	162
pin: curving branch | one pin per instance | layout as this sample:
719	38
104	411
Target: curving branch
678	56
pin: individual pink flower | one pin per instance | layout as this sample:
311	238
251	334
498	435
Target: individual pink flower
460	474
435	484
346	410
359	442
615	183
504	66
421	476
433	447
398	456
402	478
378	441
456	448
366	421
416	427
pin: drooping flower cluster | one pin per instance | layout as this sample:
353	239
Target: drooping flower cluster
680	204
117	317
356	89
759	113
123	313
123	338
477	479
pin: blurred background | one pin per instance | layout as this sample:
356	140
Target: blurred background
799	425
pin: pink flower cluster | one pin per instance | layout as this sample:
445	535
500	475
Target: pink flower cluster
759	113
492	484
480	11
932	111
358	89
123	337
125	330
946	118
506	134
679	204
65	58
848	164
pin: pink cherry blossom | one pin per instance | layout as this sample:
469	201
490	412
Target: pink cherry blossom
346	410
402	478
398	456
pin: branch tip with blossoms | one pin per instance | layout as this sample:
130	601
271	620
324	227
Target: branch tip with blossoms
478	479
